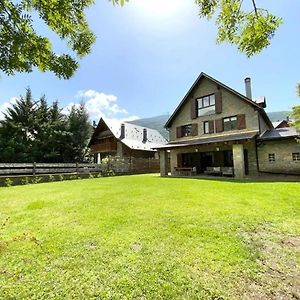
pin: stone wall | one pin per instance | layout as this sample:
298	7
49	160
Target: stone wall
283	156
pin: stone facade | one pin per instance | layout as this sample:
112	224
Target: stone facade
283	156
232	105
191	146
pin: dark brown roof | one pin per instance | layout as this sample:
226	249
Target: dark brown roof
211	140
244	98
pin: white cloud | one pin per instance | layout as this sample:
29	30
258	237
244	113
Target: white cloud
4	106
103	105
66	110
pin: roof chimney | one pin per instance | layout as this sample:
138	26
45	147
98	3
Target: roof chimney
248	87
122	136
144	135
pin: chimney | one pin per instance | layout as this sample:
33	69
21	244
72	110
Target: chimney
94	124
122	136
144	135
248	87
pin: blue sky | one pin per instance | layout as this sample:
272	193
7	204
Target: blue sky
148	54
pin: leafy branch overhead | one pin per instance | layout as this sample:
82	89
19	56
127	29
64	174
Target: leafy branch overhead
22	48
251	31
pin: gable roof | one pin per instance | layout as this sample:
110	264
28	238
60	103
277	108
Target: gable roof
133	135
282	123
244	98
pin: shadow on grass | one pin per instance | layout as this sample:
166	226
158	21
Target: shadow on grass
265	178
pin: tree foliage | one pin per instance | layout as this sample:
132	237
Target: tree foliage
251	31
33	131
22	48
296	115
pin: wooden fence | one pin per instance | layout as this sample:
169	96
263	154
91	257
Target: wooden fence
117	165
45	168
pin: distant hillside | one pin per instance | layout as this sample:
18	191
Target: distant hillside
156	123
159	122
278	115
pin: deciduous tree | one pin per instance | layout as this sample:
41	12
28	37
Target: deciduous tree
22	48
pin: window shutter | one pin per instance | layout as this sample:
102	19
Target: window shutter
211	126
195	129
179	160
241	121
219	125
178	132
218	99
194	108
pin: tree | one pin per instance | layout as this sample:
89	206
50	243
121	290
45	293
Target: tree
296	111
80	132
251	31
33	131
18	130
296	115
22	48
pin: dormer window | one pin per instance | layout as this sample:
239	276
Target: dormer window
206	105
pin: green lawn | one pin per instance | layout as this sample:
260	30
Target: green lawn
146	237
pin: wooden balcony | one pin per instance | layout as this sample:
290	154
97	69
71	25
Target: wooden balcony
104	145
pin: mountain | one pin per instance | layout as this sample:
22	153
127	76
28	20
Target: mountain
278	115
159	122
156	123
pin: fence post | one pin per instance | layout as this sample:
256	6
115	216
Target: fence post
77	168
34	169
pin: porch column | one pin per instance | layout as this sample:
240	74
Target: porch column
98	158
238	160
163	160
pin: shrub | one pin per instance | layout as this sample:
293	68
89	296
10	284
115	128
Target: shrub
51	178
91	175
73	177
8	182
25	180
60	177
36	180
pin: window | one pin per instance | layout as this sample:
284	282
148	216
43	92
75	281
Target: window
206	105
296	156
206	126
230	123
271	157
186	130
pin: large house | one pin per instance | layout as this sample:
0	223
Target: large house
114	138
217	130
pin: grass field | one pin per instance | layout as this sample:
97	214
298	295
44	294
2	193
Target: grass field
146	237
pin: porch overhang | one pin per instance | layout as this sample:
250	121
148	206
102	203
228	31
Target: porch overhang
245	136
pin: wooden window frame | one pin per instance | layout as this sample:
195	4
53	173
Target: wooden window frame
184	132
204	128
230	121
200	104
